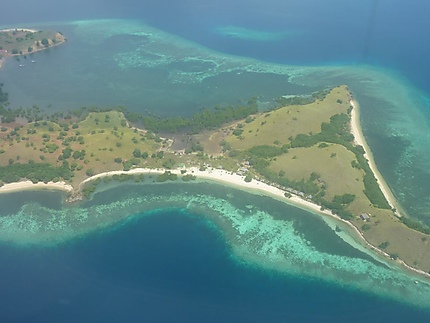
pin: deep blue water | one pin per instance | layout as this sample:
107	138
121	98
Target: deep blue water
169	267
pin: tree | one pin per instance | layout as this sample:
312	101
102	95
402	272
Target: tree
45	42
137	153
248	177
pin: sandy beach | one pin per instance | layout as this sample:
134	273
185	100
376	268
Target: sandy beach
354	237
222	177
360	140
29	185
19	29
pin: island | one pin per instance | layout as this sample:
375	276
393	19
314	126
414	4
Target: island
308	151
18	42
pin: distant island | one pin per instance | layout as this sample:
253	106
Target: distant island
308	151
21	41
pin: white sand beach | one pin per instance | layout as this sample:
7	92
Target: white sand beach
360	140
353	237
19	29
29	185
223	177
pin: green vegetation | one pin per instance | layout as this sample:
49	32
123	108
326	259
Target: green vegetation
21	42
415	225
305	150
189	177
167	176
301	100
344	199
337	132
266	151
35	172
384	245
206	119
248	177
3	95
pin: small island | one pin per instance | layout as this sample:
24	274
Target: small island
21	42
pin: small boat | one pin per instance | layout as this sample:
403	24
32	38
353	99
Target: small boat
33	61
21	65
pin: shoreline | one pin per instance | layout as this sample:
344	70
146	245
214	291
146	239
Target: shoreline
29	185
359	139
19	29
230	179
4	58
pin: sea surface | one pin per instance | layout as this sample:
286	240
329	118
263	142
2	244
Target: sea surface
192	253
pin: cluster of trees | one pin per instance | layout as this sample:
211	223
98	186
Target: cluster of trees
206	119
35	172
266	151
9	115
415	225
338	205
336	131
302	99
189	177
169	163
167	176
3	96
307	187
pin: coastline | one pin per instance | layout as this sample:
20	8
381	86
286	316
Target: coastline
20	29
29	185
359	139
233	180
4	58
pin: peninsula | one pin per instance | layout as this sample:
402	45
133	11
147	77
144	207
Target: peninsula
17	42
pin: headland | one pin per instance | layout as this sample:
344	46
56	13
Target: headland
15	42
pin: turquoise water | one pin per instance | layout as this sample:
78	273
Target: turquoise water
127	62
257	230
